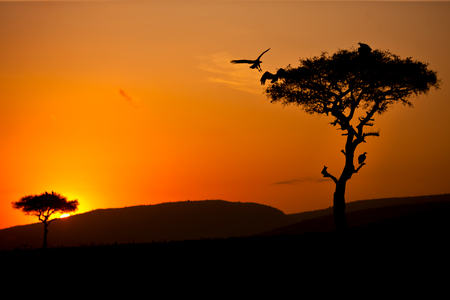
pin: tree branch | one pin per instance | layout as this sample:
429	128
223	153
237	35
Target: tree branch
360	166
372	133
369	115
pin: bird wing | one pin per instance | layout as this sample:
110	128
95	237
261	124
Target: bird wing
266	75
242	61
262	54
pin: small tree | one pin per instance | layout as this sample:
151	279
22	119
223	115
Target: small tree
43	206
352	86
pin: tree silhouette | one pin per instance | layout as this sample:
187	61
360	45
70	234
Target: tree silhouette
352	86
43	206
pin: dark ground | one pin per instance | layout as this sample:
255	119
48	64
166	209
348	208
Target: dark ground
401	256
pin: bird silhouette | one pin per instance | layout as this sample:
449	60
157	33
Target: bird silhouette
362	158
364	49
255	64
273	77
324	171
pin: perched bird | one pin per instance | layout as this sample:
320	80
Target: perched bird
255	64
273	77
362	158
324	171
364	49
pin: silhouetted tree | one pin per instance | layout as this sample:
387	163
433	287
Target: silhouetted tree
43	206
352	86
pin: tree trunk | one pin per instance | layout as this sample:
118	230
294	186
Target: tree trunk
44	245
340	220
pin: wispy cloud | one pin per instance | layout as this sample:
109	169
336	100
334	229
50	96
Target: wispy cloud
127	98
239	77
300	181
288	182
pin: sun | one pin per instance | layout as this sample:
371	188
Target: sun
64	216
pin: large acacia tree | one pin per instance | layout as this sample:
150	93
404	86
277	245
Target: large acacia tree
351	86
44	206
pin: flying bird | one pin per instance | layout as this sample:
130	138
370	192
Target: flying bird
128	98
364	49
255	64
273	77
362	158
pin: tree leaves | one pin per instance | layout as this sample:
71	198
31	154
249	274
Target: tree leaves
347	80
45	204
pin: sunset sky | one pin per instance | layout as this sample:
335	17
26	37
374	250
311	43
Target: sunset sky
122	103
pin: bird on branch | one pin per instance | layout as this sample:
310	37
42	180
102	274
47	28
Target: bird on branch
362	158
364	49
255	64
273	77
325	172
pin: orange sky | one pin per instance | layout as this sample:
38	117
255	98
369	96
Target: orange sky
126	103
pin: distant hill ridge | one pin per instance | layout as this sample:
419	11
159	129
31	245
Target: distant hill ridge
186	220
191	220
373	203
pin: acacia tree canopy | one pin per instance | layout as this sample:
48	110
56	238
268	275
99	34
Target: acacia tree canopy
345	81
45	204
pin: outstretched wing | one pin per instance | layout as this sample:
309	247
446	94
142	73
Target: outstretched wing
267	75
262	54
242	61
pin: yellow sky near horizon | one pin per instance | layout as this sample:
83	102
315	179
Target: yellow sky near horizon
127	103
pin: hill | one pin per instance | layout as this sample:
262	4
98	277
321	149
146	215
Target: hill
212	219
189	220
420	211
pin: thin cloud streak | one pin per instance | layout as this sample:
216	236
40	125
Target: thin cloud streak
222	71
300	181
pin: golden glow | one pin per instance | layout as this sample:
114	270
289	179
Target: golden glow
126	103
64	216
